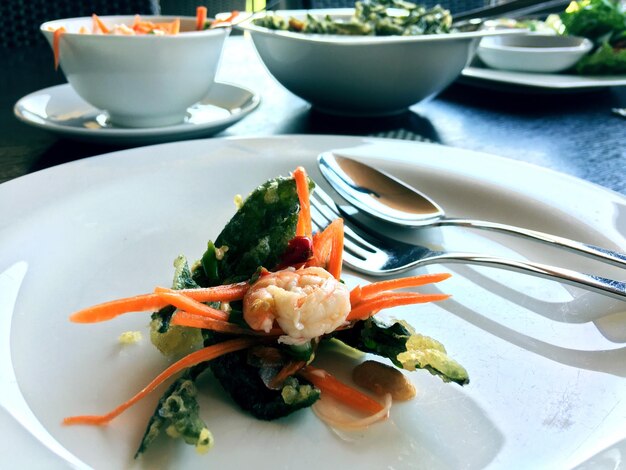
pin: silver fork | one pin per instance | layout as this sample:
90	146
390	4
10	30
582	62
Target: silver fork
376	255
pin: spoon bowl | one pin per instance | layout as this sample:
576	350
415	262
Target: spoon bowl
378	194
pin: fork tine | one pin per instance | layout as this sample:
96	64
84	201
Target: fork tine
358	252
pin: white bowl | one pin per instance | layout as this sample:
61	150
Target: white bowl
363	75
141	81
543	53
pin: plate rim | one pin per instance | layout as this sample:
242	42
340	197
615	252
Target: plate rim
480	73
131	134
352	140
344	40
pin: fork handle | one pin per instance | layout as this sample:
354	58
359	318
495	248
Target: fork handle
591	251
598	284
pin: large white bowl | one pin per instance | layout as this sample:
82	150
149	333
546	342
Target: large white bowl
363	75
141	81
542	53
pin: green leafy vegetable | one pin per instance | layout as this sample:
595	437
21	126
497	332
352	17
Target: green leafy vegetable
597	20
257	235
405	348
209	264
371	17
175	340
182	275
603	22
177	413
605	60
244	384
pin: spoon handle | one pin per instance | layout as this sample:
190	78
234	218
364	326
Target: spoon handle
596	252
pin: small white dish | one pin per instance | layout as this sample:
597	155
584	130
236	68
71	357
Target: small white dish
60	110
146	80
543	53
479	75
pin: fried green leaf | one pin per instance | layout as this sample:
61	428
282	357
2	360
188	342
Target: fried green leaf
177	413
404	347
175	340
246	387
258	234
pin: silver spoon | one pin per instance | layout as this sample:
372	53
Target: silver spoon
388	199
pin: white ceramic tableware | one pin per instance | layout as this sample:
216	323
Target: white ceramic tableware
544	393
478	74
363	75
142	81
544	53
60	110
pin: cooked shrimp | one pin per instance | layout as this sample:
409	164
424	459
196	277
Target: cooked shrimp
306	303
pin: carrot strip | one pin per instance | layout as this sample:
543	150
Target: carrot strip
355	296
340	391
99	24
175	26
183	318
201	15
143	27
190	360
287	371
56	43
328	248
183	302
372	305
225	293
321	248
304	227
234	14
336	251
110	310
150	302
412	281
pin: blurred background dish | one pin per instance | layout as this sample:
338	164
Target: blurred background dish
544	53
142	81
362	75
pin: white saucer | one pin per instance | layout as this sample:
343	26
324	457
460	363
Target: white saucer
478	74
60	110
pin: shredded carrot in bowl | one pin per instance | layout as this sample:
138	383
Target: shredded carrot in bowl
139	27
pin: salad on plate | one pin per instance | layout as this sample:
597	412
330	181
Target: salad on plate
253	312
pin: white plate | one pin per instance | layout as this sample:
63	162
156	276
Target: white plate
544	393
60	110
481	75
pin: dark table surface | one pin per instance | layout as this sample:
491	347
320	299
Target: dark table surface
574	133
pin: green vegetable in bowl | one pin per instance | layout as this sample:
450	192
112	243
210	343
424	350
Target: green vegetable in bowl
599	20
603	22
370	18
604	61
